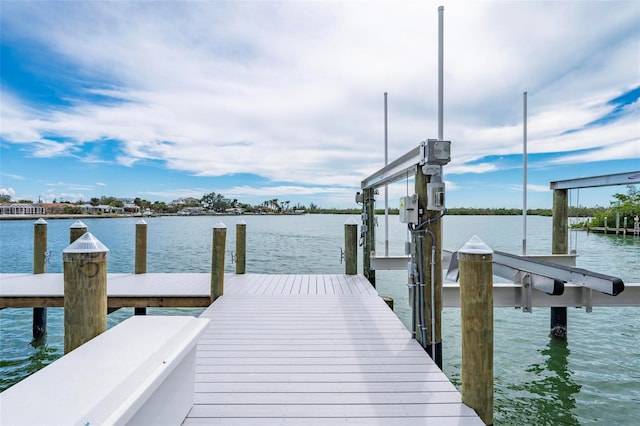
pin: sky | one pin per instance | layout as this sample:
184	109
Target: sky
257	100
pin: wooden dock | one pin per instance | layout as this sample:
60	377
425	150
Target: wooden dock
315	350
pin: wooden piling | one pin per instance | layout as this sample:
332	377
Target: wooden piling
560	245
241	247
141	256
217	260
369	240
39	267
476	309
434	226
85	290
351	246
77	230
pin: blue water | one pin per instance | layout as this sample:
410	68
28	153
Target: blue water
592	378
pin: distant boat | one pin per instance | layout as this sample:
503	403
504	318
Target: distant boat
298	212
148	213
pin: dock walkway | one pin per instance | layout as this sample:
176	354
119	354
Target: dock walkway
315	350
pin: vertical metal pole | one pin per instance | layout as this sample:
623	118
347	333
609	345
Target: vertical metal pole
524	176
141	256
39	267
386	187
440	73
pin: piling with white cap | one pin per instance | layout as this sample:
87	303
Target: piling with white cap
140	266
77	230
241	247
351	246
217	260
39	267
85	290
476	309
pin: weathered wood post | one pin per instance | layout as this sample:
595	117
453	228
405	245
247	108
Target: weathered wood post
560	245
241	247
476	303
85	290
617	222
141	256
217	260
77	230
369	241
351	247
39	267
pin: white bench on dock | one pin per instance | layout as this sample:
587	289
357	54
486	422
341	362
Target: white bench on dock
139	372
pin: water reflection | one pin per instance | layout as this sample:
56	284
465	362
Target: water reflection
548	399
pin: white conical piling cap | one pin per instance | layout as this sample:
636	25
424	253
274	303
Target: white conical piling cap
141	222
241	222
78	224
219	225
475	246
351	221
40	221
87	243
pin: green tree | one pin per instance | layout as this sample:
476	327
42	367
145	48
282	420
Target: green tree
5	198
625	205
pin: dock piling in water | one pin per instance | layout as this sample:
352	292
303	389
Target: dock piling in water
560	245
141	256
476	309
241	247
85	290
217	260
39	267
77	230
351	247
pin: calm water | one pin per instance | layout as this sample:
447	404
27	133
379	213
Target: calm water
592	378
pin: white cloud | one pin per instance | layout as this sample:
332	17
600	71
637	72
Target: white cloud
293	91
8	191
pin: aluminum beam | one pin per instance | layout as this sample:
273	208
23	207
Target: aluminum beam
600	282
511	296
394	171
596	181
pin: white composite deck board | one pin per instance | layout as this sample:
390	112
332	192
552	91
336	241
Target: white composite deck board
287	421
321	398
308	350
324	387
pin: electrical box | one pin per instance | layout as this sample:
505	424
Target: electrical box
435	196
409	209
359	198
436	152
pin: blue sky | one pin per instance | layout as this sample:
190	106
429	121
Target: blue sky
263	100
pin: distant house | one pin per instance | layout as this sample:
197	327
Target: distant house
57	208
186	201
234	210
21	209
100	209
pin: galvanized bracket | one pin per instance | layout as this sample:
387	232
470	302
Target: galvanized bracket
525	280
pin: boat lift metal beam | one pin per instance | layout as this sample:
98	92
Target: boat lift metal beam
597	181
402	166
